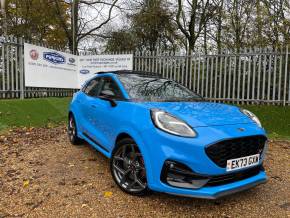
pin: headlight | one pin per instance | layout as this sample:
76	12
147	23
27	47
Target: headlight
171	124
252	116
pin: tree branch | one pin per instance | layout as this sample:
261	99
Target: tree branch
83	35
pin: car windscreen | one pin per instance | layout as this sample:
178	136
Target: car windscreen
146	88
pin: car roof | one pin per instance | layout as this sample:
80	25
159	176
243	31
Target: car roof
131	72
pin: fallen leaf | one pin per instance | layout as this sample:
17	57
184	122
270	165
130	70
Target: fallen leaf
108	194
50	125
26	183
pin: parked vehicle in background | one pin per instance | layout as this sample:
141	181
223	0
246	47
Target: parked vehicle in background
163	137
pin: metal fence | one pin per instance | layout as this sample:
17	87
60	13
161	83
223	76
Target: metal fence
252	76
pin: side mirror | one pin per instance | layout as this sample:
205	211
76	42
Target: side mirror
108	95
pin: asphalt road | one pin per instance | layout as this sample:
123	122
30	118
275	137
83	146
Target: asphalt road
42	175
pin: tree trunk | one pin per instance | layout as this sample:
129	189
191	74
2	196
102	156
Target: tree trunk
219	28
259	23
205	39
191	43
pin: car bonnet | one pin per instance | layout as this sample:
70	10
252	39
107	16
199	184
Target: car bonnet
198	114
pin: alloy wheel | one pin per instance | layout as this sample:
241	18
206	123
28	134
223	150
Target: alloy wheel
71	128
128	169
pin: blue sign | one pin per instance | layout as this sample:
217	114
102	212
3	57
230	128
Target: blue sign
54	57
84	71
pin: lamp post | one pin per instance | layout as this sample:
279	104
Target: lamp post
4	21
74	22
75	6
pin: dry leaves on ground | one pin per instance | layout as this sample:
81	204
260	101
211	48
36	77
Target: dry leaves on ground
43	175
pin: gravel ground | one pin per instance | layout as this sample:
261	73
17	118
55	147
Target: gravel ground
42	175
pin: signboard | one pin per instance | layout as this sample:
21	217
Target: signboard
90	65
49	68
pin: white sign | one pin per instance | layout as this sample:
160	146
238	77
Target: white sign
90	65
49	68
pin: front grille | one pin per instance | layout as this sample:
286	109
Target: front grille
233	177
225	150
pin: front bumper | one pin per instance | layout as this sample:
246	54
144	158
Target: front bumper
191	152
224	190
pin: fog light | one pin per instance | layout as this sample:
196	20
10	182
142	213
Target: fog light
179	175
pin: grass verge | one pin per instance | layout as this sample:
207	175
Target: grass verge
275	119
33	112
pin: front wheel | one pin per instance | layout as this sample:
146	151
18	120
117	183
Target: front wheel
72	131
128	168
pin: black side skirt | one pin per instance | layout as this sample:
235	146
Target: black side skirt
94	141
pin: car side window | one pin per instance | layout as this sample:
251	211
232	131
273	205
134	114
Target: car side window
93	87
110	89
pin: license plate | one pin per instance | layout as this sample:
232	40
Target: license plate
243	162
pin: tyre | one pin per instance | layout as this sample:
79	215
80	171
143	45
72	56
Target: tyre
72	131
128	168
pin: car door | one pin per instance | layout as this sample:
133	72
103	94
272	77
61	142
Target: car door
105	115
86	104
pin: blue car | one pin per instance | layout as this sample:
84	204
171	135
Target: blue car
161	136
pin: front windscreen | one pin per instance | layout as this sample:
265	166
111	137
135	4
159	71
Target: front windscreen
148	88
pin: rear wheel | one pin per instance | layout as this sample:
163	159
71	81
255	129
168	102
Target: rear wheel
128	168
72	131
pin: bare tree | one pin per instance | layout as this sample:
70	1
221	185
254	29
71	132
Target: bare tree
278	25
238	26
199	12
89	18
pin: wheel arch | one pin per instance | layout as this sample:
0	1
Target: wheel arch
121	136
70	113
